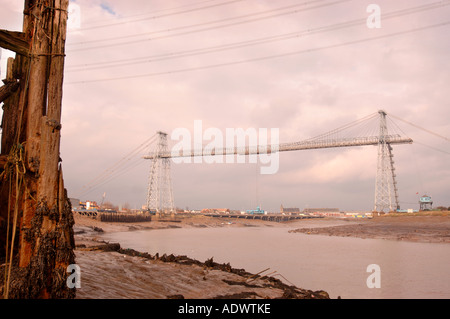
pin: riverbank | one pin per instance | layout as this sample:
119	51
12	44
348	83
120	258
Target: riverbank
111	271
433	227
426	228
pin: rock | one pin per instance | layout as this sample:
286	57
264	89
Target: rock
179	296
209	262
320	294
107	247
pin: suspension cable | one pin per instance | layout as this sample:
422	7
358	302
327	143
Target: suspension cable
421	128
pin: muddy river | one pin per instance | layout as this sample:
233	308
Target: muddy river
342	266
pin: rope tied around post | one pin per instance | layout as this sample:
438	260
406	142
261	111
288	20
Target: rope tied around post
15	160
14	167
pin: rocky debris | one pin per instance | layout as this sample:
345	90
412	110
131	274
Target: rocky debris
292	292
124	218
240	283
97	229
78	230
178	296
101	247
240	295
296	293
199	225
183	259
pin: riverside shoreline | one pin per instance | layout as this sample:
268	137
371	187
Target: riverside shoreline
425	228
109	271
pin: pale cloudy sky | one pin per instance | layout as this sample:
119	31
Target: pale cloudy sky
135	67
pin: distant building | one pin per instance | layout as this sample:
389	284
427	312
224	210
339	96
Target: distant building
75	202
357	214
215	211
335	212
258	210
289	210
89	205
425	203
321	210
88	208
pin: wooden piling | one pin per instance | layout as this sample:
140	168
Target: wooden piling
30	150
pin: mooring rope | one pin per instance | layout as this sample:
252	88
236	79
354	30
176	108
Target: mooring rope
14	166
15	163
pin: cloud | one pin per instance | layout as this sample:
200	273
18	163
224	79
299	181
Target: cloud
325	85
337	166
107	8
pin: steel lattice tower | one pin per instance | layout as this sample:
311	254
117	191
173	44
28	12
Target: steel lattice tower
159	192
386	193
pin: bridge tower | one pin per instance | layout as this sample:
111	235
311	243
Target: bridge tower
159	191
386	192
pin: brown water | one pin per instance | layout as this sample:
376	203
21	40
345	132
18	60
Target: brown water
337	265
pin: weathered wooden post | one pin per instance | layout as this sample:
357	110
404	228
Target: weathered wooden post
34	207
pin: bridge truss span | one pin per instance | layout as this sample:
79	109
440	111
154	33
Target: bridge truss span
285	147
386	192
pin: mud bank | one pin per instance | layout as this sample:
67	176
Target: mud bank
111	271
431	229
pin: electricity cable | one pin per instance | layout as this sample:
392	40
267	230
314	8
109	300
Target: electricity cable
264	58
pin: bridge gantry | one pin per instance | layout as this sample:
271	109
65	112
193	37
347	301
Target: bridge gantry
160	193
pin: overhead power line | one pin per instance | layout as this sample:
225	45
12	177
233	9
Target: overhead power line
153	17
241	44
211	66
202	24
